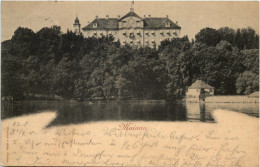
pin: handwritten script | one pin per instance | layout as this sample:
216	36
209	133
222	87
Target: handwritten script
117	144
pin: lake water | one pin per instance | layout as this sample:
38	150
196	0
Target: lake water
72	112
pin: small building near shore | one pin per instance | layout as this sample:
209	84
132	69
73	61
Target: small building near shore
200	88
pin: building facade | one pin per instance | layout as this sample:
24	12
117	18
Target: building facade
132	29
200	88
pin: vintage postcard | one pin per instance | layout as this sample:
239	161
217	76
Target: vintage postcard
130	83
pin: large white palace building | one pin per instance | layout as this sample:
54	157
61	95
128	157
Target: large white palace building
132	29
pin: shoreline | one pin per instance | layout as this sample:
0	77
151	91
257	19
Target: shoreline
209	99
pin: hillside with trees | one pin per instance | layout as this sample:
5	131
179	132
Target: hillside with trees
51	63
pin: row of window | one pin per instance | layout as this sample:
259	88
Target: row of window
138	24
131	33
102	33
138	41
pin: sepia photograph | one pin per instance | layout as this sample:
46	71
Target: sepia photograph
130	83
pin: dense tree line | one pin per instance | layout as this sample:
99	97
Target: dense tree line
52	63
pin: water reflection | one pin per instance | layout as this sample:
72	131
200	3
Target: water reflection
198	111
69	112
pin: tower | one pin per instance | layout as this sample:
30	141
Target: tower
132	6
76	26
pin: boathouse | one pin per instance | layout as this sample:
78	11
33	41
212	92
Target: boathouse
200	88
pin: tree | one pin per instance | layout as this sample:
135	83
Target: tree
227	34
250	60
175	66
180	44
238	41
30	75
23	43
50	63
249	38
247	82
11	83
216	67
208	36
47	78
81	89
71	44
63	78
48	41
224	45
121	84
108	85
97	79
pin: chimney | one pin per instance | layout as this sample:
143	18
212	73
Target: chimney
96	16
118	16
107	16
176	22
144	16
167	16
149	16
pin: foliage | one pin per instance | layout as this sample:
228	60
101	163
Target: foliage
245	38
208	36
51	63
247	82
227	34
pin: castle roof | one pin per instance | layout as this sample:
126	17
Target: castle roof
130	14
199	84
156	22
76	21
149	22
103	23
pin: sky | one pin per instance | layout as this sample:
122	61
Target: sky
191	16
